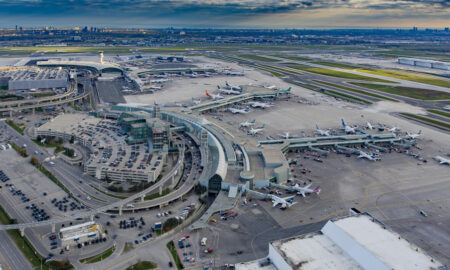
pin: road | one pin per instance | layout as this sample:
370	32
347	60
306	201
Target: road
13	256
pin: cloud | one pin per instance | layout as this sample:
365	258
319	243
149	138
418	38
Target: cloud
220	11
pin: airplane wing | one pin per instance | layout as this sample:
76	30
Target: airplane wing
303	193
275	203
307	186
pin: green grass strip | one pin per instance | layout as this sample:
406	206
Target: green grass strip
332	93
335	73
99	257
108	194
333	64
15	126
21	151
295	58
174	253
446	114
156	195
416	93
142	265
258	58
356	91
406	76
427	120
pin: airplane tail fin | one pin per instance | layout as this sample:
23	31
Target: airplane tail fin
207	94
154	102
317	190
420	132
262	126
317	126
289	89
253	121
343	123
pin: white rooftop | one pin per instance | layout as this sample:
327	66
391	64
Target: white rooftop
388	246
314	251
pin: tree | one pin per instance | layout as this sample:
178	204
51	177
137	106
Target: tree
170	224
34	161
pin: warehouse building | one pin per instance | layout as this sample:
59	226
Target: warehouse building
424	63
34	78
71	236
353	242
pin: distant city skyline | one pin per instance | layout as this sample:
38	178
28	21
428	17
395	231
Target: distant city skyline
227	13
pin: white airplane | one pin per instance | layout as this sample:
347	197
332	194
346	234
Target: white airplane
234	110
369	126
196	101
393	129
254	131
159	81
153	87
305	190
233	87
247	123
322	132
213	96
285	202
256	104
285	135
193	75
228	91
442	160
365	155
413	136
271	87
161	76
348	129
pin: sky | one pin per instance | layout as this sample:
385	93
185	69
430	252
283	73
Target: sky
227	13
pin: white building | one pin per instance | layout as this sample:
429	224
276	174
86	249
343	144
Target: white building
80	233
354	242
424	63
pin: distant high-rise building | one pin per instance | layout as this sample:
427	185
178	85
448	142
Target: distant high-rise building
446	29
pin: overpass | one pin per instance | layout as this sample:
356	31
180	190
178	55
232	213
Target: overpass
116	205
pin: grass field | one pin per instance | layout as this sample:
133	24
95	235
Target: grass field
408	77
282	70
87	49
142	265
339	74
99	257
333	64
18	128
274	73
442	113
258	58
416	93
295	58
356	91
427	120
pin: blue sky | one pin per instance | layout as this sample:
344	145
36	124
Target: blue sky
227	13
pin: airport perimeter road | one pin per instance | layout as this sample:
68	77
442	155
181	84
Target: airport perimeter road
11	253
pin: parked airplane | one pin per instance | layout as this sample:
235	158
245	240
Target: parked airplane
285	135
413	136
256	104
254	131
247	123
365	155
271	86
284	90
193	75
442	160
159	105
305	190
322	132
196	101
213	96
228	91
233	87
161	76
285	202
369	126
393	129
234	110
348	129
153	87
